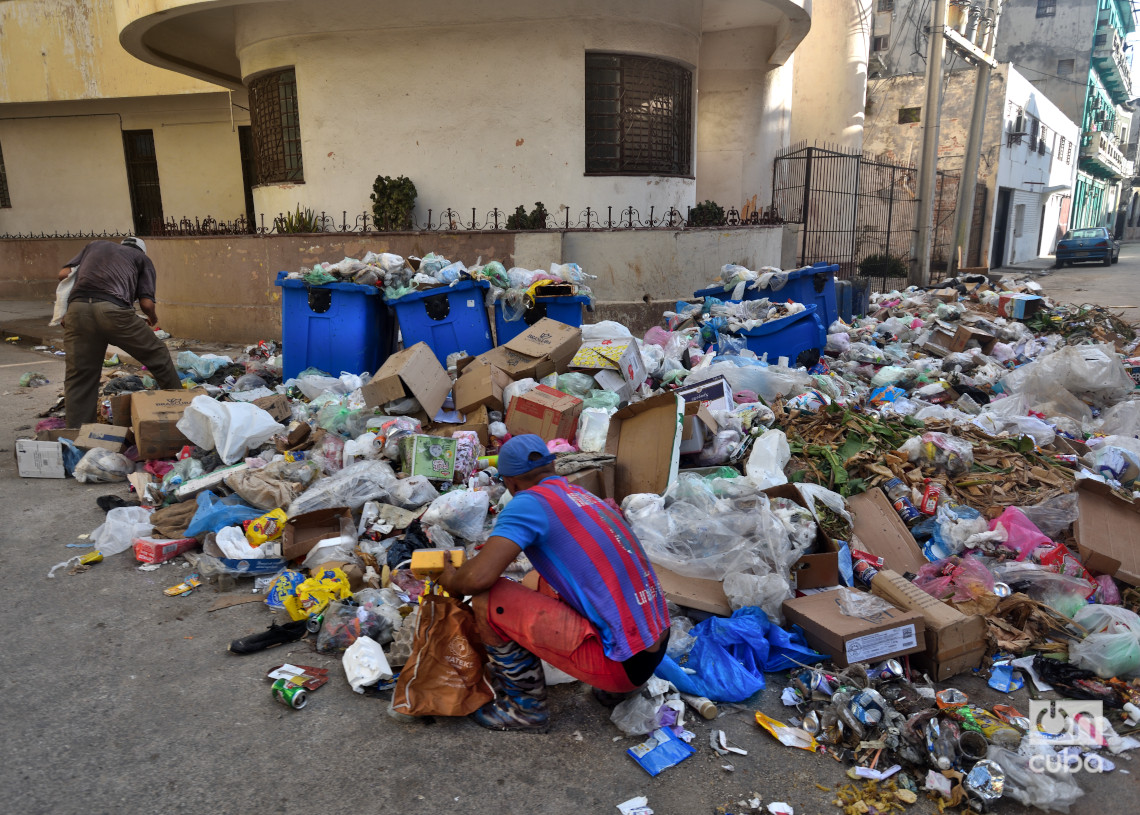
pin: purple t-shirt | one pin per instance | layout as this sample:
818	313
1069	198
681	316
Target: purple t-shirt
111	269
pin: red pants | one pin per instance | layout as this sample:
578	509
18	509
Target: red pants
552	630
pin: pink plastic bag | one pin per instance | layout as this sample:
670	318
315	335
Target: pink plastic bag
657	336
955	578
1024	536
1107	594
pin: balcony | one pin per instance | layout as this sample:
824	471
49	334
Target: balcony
1110	63
1101	157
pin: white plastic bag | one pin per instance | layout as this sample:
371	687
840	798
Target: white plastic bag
62	292
235	546
460	512
335	549
517	388
121	528
413	492
100	465
770	454
232	428
365	664
768	591
351	487
593	429
1112	647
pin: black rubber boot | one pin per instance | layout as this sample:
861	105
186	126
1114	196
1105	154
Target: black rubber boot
520	691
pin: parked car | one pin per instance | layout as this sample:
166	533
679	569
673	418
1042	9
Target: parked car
1090	243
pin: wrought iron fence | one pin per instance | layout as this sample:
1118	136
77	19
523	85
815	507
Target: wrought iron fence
448	220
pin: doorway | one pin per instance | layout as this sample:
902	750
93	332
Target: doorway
142	181
1001	228
245	144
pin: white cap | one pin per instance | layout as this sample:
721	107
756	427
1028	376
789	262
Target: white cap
136	242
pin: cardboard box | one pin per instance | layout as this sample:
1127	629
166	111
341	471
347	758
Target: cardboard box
548	339
1019	306
110	437
612	355
614	382
433	457
646	440
714	394
303	532
154	416
699	427
955	642
693	592
478	421
600	482
276	406
955	338
58	433
414	372
39	459
1107	530
880	531
545	412
120	409
855	639
479	385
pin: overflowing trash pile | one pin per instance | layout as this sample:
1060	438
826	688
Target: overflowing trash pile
945	488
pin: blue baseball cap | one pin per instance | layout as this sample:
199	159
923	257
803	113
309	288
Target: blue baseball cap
516	456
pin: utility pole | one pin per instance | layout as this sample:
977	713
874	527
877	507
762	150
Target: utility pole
928	168
985	37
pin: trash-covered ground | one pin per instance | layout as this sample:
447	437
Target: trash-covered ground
905	451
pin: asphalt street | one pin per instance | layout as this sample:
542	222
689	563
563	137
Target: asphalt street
119	699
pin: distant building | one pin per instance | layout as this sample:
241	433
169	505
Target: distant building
1030	152
1073	51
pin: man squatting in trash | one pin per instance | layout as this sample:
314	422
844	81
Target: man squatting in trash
597	612
100	311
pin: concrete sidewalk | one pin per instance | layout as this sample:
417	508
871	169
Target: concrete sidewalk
28	320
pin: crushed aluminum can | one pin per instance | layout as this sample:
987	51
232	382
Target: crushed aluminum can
290	695
816	681
868	706
886	670
1002	589
984	785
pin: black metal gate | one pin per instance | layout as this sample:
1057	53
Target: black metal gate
142	180
859	212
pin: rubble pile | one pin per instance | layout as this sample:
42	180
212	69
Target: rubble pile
859	507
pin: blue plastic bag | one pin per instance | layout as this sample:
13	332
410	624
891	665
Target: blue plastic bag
661	751
216	513
731	656
71	456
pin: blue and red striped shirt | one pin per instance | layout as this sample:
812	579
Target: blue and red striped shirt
585	550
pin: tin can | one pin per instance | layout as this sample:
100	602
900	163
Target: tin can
930	498
313	624
867	706
290	695
91	557
864	572
1002	589
886	670
906	510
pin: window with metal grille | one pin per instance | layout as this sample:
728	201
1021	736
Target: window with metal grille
1046	8
273	115
1065	67
5	200
639	116
886	5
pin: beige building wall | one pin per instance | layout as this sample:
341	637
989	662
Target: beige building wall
56	50
831	74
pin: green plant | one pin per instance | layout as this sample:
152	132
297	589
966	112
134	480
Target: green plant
298	221
882	265
393	200
520	220
707	213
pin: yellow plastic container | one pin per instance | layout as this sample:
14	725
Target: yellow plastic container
429	562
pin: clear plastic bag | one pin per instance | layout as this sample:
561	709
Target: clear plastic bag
1054	516
856	603
460	512
576	384
1112	647
1063	593
1035	787
344	623
413	492
956	578
768	592
100	466
121	528
593	430
770	454
953	455
201	367
350	487
232	428
638	714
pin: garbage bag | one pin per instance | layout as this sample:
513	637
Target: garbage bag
201	367
413	492
232	428
1112	647
344	623
351	487
460	512
99	466
1035	787
1023	536
1054	516
215	513
62	292
120	529
274	485
953	455
365	664
1094	372
593	430
770	454
1063	593
767	592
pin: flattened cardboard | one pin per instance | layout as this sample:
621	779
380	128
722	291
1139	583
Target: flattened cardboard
880	531
517	366
304	531
276	406
480	385
693	592
154	416
58	433
39	459
955	642
208	481
110	437
414	372
545	412
548	339
1107	530
855	639
646	439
